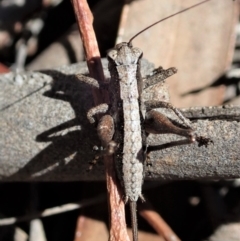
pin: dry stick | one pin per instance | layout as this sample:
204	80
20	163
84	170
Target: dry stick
158	223
118	230
84	20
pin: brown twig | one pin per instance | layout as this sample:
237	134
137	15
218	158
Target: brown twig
158	223
85	20
118	230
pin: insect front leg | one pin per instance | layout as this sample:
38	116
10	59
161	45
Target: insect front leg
159	75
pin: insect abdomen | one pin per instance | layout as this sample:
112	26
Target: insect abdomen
132	151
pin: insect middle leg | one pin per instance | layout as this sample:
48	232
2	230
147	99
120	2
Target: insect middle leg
105	128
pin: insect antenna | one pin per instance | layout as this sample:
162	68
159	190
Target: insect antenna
184	10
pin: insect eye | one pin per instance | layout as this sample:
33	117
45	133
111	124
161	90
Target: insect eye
112	54
138	52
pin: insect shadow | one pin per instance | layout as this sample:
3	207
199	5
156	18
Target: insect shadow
71	142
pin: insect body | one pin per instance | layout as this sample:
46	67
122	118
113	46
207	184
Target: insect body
125	94
126	85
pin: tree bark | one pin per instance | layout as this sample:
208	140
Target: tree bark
45	135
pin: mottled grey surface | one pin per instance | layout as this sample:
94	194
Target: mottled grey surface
45	135
221	159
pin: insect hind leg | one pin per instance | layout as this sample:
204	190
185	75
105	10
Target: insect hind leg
161	104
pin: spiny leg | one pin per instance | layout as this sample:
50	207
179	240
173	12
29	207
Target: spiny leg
153	104
159	75
157	123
